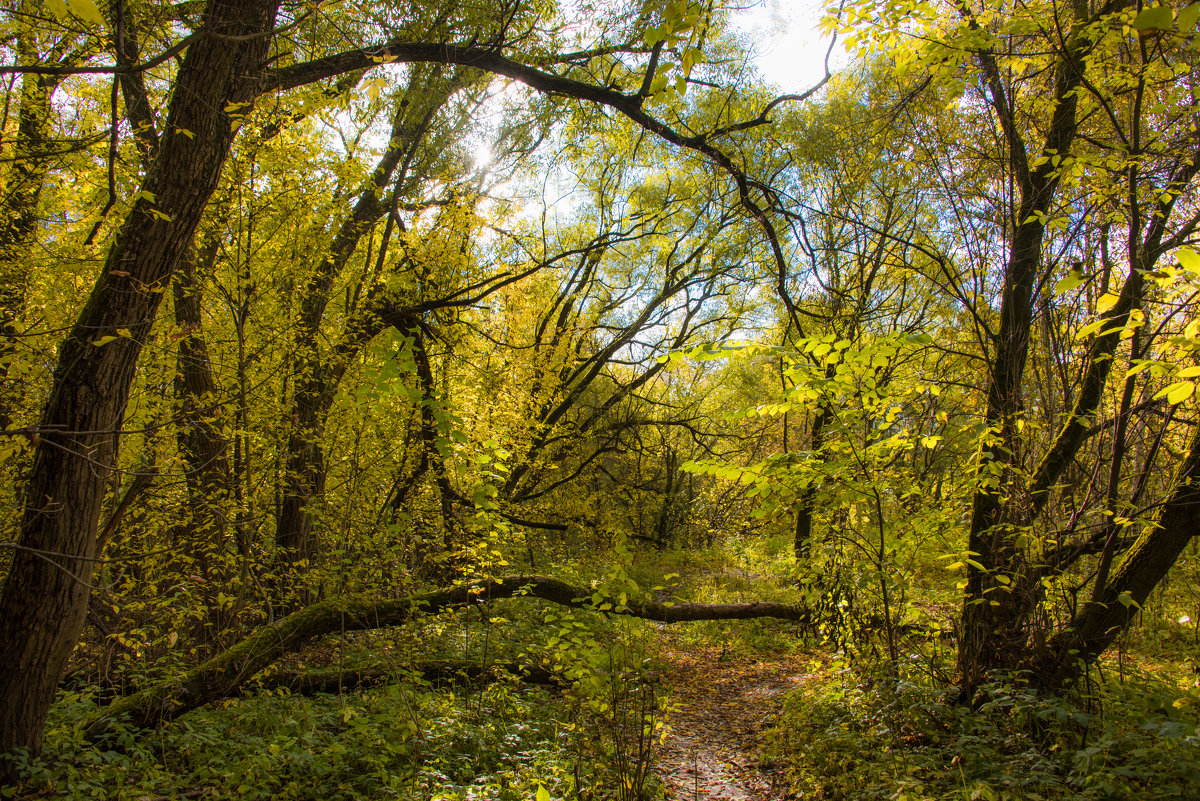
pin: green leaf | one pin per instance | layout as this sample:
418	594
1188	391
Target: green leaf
1186	19
86	10
1155	18
543	794
1072	281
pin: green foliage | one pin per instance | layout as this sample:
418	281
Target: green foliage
851	734
405	740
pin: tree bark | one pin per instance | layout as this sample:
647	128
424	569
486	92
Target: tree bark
1144	566
339	681
990	608
19	210
45	595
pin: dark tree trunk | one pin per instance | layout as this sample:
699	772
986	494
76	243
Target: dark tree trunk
990	637
19	212
317	375
202	538
1144	566
202	439
45	595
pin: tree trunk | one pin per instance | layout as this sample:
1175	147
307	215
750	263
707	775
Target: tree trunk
203	538
1144	566
19	210
991	635
317	375
45	595
333	682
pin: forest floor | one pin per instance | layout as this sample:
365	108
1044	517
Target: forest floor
722	707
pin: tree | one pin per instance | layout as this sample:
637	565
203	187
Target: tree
1054	148
234	55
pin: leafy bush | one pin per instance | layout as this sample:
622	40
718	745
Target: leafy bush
847	735
401	741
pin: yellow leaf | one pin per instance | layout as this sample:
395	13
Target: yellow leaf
1139	367
1106	302
1072	281
1177	392
86	10
58	8
1181	392
1089	329
1189	260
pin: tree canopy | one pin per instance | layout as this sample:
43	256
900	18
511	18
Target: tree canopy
318	306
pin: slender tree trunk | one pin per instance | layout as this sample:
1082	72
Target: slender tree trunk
990	635
317	375
802	532
203	537
19	212
1144	566
45	595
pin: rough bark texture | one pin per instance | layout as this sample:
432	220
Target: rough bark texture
202	439
224	674
333	682
19	210
998	508
45	596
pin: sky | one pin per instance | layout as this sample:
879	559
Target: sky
789	51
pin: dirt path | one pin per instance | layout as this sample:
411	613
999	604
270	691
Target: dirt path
713	750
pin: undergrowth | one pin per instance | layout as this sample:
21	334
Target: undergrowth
848	734
592	736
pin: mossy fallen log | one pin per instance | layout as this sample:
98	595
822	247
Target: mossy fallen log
222	675
332	681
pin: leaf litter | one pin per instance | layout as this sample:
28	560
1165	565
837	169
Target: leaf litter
722	708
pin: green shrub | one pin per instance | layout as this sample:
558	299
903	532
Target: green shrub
847	735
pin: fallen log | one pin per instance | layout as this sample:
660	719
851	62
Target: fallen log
333	682
222	675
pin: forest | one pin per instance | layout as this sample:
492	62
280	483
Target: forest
529	399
